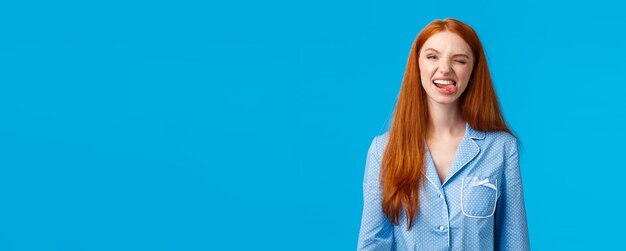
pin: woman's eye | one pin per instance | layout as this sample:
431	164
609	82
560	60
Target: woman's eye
431	57
461	62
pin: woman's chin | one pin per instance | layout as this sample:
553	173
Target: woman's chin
444	100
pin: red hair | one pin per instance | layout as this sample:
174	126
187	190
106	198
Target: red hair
403	163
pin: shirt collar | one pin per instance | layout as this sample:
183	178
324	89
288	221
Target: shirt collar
474	134
466	151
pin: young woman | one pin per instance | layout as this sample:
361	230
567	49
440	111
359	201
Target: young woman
446	175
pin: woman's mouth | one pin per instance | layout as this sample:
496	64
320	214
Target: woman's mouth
440	82
445	86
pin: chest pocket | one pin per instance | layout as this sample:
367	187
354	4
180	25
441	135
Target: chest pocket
479	196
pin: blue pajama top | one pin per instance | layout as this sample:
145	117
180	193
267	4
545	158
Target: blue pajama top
479	206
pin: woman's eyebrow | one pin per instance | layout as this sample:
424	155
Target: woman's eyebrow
459	54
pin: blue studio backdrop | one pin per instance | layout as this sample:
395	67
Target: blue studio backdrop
244	125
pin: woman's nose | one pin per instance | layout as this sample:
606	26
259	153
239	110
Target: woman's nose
444	67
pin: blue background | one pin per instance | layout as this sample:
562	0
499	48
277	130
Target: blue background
182	125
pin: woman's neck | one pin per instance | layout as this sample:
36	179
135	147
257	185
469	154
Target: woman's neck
445	121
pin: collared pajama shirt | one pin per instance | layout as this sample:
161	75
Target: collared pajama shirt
479	206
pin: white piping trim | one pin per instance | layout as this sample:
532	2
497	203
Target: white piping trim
495	200
431	182
426	171
445	205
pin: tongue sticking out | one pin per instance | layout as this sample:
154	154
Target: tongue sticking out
447	89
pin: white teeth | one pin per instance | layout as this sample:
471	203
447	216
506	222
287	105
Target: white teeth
443	82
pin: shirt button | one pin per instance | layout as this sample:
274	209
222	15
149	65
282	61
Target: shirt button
440	196
441	228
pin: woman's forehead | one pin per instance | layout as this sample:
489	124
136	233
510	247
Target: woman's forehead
447	42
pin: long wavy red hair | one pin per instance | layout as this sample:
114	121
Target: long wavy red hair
403	163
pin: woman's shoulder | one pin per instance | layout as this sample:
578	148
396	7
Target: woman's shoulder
378	144
374	157
382	138
502	140
500	136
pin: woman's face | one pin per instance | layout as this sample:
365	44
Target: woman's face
446	64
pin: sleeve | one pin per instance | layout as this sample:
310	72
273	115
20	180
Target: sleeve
511	229
376	231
